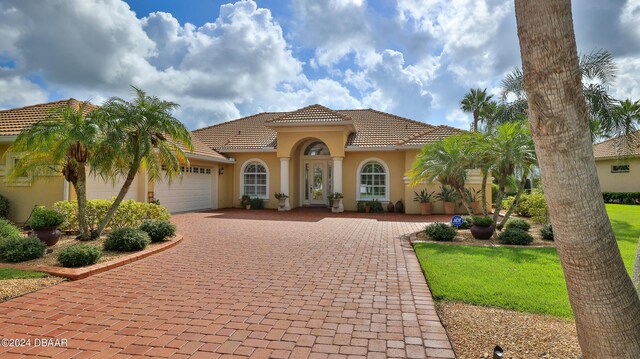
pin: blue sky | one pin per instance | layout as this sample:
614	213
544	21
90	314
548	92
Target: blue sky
223	60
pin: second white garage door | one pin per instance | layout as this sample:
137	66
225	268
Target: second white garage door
191	192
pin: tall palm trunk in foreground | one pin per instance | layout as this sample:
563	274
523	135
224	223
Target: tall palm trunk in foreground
604	302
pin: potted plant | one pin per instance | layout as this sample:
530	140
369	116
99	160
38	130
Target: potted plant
282	199
246	202
424	198
448	196
335	199
482	227
474	201
44	222
367	207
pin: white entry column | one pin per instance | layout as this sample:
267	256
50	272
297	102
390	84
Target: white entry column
337	180
284	182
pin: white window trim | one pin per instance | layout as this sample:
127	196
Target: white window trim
244	165
25	181
386	180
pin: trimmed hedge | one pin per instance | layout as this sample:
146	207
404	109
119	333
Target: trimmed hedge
531	205
518	223
440	232
126	239
467	222
257	203
621	197
515	236
546	232
4	207
7	229
130	213
79	255
158	230
19	249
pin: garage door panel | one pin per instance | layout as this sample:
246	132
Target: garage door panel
192	192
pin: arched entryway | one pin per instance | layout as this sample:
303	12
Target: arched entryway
316	175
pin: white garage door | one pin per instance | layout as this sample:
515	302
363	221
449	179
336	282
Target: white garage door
192	192
97	188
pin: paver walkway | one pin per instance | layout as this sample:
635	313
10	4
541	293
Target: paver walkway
307	286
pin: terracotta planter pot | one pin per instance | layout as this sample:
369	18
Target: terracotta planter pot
449	207
367	209
482	232
425	208
476	207
336	203
48	235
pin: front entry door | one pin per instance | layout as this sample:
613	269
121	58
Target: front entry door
318	183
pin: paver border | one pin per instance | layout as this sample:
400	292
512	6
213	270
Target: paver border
84	272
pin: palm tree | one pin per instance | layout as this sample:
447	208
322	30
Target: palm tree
597	70
445	161
63	142
141	134
625	118
476	102
605	304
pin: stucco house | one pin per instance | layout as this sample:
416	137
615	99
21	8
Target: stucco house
618	163
307	154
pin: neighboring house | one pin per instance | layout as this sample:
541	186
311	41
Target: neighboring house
198	188
618	163
315	151
307	154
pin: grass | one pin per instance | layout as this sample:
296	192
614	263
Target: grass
10	273
522	279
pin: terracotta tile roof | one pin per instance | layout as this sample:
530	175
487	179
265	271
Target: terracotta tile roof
623	146
372	129
310	114
13	121
201	149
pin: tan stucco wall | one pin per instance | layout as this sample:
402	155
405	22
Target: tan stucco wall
43	192
619	182
225	186
273	167
289	139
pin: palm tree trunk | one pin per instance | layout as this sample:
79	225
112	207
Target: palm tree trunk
483	192
635	278
498	201
516	200
464	201
131	175
81	191
604	302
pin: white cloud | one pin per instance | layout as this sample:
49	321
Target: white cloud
16	92
627	83
459	118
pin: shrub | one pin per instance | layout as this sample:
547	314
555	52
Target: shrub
532	205
79	255
158	230
483	221
546	232
4	207
19	249
515	236
7	229
621	197
43	217
466	222
130	213
126	239
440	232
518	223
257	203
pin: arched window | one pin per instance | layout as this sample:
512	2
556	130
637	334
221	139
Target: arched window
316	149
373	181
255	180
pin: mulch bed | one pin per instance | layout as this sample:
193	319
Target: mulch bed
475	331
464	237
11	288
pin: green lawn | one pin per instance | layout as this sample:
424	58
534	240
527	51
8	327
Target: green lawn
9	273
522	279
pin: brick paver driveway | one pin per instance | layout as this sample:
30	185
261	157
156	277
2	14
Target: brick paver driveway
282	285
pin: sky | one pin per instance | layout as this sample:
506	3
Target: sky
224	60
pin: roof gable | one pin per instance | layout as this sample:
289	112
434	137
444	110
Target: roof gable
622	146
312	115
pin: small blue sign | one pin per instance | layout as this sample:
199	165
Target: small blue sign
456	221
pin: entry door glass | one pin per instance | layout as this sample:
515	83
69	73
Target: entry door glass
318	183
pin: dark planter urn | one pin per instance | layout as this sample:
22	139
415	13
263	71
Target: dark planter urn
48	235
367	209
390	207
482	232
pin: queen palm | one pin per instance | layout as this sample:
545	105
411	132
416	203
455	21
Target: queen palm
446	162
141	135
475	101
625	119
63	142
